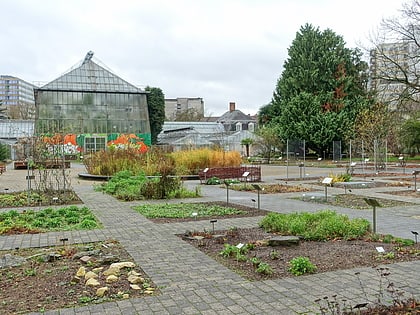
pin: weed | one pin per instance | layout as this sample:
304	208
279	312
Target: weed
84	299
264	269
274	254
30	272
255	261
301	265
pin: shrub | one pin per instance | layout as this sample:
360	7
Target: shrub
301	265
317	226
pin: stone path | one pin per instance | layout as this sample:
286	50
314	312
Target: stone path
193	283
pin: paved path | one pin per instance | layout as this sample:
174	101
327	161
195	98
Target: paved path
193	283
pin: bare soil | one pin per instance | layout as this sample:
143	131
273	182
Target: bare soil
327	256
46	280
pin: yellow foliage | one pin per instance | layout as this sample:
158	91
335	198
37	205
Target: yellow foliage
192	161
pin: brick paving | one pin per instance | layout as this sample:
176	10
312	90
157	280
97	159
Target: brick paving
193	283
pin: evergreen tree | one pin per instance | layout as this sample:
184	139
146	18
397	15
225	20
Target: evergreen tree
156	107
321	89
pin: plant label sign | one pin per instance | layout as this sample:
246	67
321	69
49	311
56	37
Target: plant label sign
380	249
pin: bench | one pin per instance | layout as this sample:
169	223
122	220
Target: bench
232	172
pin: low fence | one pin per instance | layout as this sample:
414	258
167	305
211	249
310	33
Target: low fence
249	173
45	164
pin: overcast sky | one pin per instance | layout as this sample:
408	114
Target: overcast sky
223	51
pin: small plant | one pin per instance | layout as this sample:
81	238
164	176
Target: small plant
229	251
213	181
264	269
274	254
240	257
84	299
255	261
301	265
30	272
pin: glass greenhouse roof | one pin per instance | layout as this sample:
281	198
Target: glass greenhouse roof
90	76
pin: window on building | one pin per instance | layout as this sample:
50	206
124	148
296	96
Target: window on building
94	144
251	127
238	126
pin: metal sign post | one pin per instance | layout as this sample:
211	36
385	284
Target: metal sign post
415	173
373	203
327	181
227	183
258	188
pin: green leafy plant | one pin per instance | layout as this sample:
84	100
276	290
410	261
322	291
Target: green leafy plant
301	265
264	268
321	225
48	219
30	272
213	181
255	261
184	210
274	254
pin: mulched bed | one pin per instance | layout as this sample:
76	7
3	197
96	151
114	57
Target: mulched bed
42	283
327	256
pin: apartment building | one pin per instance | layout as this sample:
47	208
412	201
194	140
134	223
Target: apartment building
394	71
17	97
175	108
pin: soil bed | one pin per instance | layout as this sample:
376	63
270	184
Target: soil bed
327	256
354	201
47	280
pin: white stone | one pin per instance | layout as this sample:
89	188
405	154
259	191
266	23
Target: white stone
112	271
92	282
135	287
81	272
123	264
135	279
90	274
111	278
101	291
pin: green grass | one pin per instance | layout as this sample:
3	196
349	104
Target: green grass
49	219
185	210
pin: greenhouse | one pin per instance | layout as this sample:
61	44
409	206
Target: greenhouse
94	104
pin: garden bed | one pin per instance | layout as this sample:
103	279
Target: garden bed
47	279
325	255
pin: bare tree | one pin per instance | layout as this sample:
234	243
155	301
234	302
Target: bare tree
395	59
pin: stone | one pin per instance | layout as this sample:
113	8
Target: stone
112	271
123	264
90	275
85	259
53	257
135	279
81	272
108	259
149	291
111	278
126	296
92	282
97	270
134	273
86	253
100	292
11	261
135	287
284	241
